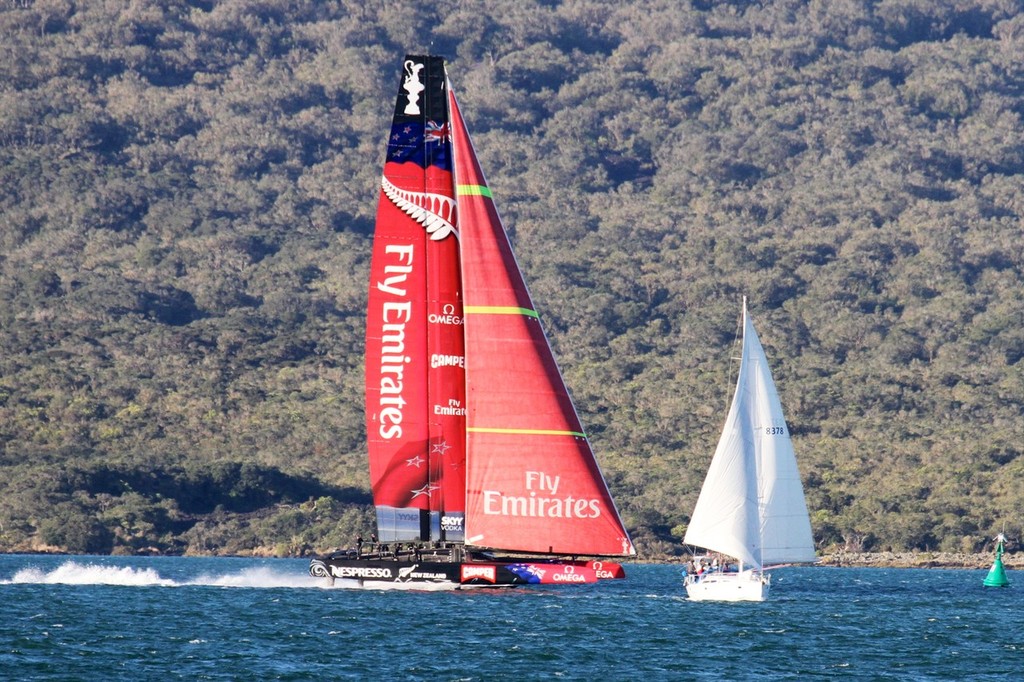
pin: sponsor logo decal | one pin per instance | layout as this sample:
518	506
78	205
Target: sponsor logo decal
454	408
451	523
394	316
568	577
447	316
361	572
439	360
541	501
409	573
488	573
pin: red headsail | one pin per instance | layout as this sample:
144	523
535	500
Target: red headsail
533	483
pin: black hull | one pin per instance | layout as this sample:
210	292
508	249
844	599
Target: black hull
439	570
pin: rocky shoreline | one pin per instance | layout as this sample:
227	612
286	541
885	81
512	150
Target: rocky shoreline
918	560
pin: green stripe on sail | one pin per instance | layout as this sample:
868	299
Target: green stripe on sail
474	190
498	310
526	432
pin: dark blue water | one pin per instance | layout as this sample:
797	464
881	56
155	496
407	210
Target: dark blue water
130	618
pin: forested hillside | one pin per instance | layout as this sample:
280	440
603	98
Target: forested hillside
187	191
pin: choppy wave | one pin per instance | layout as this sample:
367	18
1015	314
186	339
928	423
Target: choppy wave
819	623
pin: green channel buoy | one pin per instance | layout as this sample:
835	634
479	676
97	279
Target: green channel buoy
997	574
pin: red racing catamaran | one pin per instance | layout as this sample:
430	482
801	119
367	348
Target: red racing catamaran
481	471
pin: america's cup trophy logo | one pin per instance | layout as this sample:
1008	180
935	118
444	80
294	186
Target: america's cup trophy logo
413	87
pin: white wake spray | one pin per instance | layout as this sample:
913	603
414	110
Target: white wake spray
259	577
75	573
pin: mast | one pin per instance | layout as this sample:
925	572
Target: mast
746	361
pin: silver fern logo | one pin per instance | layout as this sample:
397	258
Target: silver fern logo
436	212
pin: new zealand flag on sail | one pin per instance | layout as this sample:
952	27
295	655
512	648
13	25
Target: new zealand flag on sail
424	144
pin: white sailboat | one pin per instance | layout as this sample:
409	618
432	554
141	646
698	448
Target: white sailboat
751	507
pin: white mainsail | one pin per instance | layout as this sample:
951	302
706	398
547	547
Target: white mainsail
751	505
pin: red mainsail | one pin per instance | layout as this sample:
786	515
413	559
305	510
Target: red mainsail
415	375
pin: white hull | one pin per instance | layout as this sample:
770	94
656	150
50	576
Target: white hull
745	586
